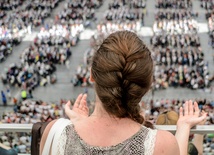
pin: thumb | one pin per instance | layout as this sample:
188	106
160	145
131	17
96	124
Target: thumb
202	118
67	106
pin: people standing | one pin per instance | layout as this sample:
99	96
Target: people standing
4	99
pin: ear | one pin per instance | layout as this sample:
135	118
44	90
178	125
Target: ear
91	78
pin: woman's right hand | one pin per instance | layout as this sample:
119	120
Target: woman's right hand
189	116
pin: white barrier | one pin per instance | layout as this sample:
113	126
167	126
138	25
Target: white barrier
172	128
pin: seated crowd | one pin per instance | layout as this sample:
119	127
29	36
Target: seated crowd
210	19
59	34
182	76
127	13
175	17
175	14
207	4
34	12
17	23
27	112
36	68
112	26
178	57
12	31
125	10
78	12
51	46
175	4
10	4
175	26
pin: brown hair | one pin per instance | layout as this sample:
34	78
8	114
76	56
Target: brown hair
167	118
122	69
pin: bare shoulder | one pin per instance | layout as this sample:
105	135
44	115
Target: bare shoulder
45	135
166	144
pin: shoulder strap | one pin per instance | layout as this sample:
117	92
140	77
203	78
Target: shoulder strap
55	130
149	143
54	149
37	131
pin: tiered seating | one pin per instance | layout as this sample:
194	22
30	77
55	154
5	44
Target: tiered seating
179	59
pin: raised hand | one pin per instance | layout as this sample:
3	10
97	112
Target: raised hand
80	109
189	116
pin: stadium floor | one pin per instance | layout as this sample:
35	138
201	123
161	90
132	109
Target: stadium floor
64	89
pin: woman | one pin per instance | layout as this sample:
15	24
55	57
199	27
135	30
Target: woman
122	71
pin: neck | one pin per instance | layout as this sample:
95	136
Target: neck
99	111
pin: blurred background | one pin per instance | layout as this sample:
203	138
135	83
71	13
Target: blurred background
46	48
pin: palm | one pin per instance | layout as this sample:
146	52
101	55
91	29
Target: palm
79	110
190	115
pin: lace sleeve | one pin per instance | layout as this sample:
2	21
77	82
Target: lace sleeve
150	142
62	141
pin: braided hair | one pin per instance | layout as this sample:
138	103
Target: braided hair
122	69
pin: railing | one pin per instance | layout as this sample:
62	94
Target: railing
200	129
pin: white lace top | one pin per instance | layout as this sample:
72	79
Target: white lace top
141	143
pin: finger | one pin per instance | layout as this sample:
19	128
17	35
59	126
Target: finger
186	108
190	108
202	112
181	112
83	102
197	110
86	109
77	102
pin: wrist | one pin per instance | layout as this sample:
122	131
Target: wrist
183	126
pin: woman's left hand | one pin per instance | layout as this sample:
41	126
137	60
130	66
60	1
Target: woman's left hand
79	110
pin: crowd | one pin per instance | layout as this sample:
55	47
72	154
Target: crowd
178	41
174	4
27	112
112	26
175	26
31	111
57	34
193	78
34	12
178	57
78	12
36	68
10	4
209	6
12	30
16	24
175	17
117	18
153	108
174	14
126	12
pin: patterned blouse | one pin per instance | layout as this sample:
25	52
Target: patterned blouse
141	143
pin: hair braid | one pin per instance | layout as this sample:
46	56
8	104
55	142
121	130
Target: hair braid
122	69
